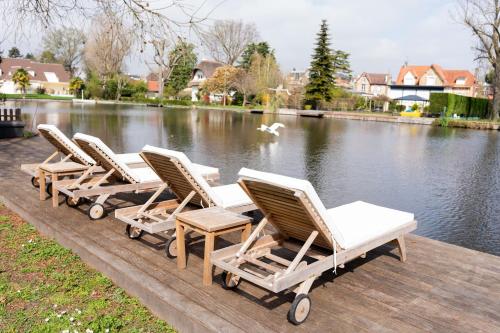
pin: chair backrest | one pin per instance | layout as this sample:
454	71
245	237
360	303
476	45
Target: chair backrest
63	144
175	169
105	157
292	206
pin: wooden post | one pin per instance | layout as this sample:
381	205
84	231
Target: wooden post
55	191
245	233
181	246
41	181
207	265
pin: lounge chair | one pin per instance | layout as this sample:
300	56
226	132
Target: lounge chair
68	150
117	177
294	209
186	182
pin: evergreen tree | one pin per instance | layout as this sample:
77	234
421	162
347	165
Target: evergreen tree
341	65
321	74
182	71
261	48
14	53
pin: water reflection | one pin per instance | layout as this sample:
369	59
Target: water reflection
449	177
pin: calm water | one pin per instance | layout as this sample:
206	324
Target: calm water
450	178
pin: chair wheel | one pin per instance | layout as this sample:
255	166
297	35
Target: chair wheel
72	202
35	182
133	232
299	311
95	211
171	248
230	281
48	189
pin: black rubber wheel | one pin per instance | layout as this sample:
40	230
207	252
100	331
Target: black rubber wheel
171	248
133	232
35	182
230	281
48	189
71	202
95	211
299	311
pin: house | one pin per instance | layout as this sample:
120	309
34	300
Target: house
297	79
203	71
51	77
416	83
372	84
152	83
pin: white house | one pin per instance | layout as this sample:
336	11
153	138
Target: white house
51	77
203	71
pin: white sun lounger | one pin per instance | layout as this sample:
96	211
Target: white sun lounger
118	177
186	182
68	150
292	206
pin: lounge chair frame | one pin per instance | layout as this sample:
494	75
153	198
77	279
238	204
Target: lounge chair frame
153	217
61	149
113	181
254	261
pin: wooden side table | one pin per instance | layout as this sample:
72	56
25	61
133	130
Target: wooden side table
54	171
211	222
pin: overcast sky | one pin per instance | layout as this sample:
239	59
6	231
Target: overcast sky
380	35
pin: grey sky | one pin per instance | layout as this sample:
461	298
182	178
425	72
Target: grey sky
380	35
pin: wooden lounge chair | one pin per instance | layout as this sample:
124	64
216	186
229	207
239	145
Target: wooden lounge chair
117	177
189	186
67	150
326	238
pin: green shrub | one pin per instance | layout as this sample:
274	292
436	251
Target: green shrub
457	104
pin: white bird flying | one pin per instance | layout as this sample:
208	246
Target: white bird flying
273	129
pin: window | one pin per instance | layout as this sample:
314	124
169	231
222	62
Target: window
460	80
431	80
363	87
409	79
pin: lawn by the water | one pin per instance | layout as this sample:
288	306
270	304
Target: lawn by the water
46	288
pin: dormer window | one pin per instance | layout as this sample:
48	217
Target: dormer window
460	80
199	76
32	73
409	79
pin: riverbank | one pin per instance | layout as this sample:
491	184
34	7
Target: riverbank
47	288
433	291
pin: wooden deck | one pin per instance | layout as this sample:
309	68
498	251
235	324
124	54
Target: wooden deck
441	288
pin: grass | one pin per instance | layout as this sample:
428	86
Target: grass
37	96
46	288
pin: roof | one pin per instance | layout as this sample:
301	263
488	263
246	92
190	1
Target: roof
376	78
41	71
208	67
411	98
448	76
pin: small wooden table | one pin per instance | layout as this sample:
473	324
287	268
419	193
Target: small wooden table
211	222
56	170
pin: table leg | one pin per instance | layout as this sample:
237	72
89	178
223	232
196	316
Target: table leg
55	192
245	233
181	245
41	182
207	265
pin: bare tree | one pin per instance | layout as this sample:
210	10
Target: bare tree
483	19
146	17
226	40
67	45
109	43
167	54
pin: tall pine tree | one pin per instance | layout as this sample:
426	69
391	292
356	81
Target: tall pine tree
322	72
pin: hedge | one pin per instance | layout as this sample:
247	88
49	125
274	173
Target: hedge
457	104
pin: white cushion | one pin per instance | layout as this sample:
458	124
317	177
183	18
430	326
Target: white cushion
130	158
295	184
204	170
70	144
144	175
360	222
231	195
125	170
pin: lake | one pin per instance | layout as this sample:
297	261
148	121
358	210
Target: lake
450	178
